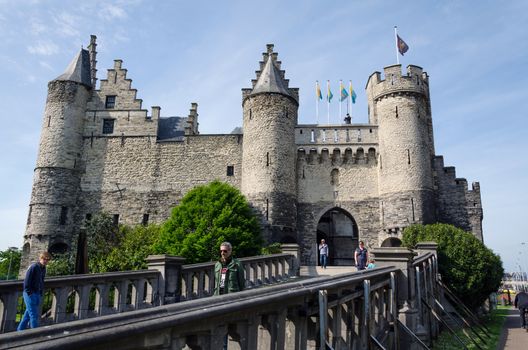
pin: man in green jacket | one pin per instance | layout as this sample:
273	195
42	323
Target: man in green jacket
229	272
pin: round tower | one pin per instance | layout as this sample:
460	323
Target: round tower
268	156
400	106
57	174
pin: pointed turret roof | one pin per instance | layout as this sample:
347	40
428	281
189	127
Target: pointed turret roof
78	70
271	78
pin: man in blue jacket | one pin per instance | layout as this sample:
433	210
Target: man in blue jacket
33	290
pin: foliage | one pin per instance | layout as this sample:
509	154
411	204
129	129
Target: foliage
60	265
467	266
10	263
102	235
273	248
207	216
135	245
494	322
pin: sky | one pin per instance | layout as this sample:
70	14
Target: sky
179	52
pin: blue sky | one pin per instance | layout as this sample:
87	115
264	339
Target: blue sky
178	52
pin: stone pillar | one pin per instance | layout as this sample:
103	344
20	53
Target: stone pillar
170	276
427	247
295	250
402	258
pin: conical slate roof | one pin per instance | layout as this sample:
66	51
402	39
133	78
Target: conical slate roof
78	70
270	79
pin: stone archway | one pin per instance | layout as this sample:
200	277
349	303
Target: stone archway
340	231
391	242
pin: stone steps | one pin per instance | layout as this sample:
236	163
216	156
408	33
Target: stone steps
314	271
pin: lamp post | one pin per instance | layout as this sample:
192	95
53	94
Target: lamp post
11	251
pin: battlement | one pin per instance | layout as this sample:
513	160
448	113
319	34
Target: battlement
349	134
338	155
416	81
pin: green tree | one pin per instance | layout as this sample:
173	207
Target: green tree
102	236
207	216
61	265
135	245
467	266
10	263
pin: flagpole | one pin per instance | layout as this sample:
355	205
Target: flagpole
340	100
350	98
317	89
396	44
328	100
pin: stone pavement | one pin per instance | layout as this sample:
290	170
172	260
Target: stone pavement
513	337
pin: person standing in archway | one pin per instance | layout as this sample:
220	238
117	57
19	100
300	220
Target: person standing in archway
361	256
323	253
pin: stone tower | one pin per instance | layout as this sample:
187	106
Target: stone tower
400	106
268	156
50	224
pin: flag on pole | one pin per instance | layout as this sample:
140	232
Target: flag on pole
402	46
318	91
344	93
353	95
329	94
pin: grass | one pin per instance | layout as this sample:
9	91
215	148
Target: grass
494	322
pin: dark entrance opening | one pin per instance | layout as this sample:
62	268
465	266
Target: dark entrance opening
391	242
340	231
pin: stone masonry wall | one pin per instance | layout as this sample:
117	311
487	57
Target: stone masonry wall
133	176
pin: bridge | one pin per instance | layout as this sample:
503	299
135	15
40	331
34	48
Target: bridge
170	306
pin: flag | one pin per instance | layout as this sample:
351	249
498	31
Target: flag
352	93
402	46
318	91
344	93
329	94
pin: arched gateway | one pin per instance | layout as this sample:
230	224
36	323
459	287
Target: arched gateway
340	231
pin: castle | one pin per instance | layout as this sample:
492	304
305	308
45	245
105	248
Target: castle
101	151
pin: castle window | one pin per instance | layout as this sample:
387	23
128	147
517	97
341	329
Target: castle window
116	220
335	136
359	135
63	216
230	170
408	157
312	137
347	135
88	217
29	215
250	114
145	220
396	111
108	126
267	159
334	177
324	135
300	131
110	102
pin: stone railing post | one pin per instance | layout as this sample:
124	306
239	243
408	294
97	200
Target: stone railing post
402	258
170	268
295	250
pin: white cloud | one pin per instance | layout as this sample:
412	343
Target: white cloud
46	65
44	48
110	12
37	28
67	24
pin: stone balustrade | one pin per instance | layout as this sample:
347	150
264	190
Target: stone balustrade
376	308
167	281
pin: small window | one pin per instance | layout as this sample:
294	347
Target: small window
110	102
116	220
145	220
230	170
312	136
108	126
88	217
63	216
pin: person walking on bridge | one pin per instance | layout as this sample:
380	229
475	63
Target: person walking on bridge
521	302
323	253
33	290
229	272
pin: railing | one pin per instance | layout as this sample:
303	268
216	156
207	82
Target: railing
345	311
79	297
198	279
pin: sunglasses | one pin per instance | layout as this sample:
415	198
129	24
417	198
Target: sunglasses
223	251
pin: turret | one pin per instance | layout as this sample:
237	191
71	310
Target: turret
57	174
268	156
400	106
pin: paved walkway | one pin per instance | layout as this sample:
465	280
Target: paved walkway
513	337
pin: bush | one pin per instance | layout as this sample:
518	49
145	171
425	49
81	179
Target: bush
10	263
467	266
207	216
60	265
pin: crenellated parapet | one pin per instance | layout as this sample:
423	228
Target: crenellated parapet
191	127
416	81
337	156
